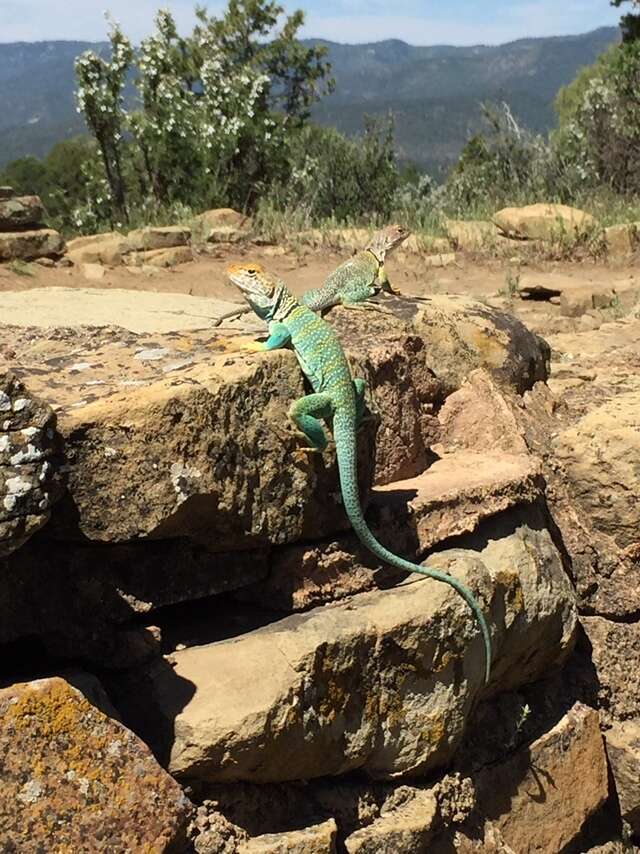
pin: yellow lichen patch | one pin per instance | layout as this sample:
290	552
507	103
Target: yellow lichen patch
73	775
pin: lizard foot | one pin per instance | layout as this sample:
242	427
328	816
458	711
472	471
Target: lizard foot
253	346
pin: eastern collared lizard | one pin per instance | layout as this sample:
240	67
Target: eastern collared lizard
336	396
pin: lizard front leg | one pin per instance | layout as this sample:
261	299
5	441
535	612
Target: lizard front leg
279	336
383	283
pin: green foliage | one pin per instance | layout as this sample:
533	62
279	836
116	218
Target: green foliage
331	176
59	180
602	138
630	23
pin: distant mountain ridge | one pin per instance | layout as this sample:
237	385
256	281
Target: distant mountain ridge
433	92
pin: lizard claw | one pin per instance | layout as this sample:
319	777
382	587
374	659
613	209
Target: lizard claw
301	455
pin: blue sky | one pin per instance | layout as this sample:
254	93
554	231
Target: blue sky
416	21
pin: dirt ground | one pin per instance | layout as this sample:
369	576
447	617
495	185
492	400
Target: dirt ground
205	277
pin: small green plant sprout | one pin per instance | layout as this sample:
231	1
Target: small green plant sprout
512	284
525	714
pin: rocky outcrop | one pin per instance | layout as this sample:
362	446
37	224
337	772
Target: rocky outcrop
300	688
28	481
22	235
29	245
330	699
20	212
158	237
73	777
543	222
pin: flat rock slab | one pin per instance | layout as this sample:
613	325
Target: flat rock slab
136	311
75	780
383	683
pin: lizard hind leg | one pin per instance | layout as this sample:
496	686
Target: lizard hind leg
306	413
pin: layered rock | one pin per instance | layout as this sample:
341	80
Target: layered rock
332	698
20	212
74	779
22	235
31	244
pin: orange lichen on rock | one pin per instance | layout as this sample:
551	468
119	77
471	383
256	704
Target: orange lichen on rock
74	779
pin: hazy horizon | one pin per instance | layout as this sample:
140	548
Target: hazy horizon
460	23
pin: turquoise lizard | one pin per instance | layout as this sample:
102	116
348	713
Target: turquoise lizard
337	396
355	281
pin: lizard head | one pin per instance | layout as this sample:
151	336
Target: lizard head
386	240
261	290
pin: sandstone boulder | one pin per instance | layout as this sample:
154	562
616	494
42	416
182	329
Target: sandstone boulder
462	334
20	212
332	699
223	225
28	479
541	798
162	257
74	779
28	245
471	235
158	237
620	240
543	221
601	455
109	249
6	193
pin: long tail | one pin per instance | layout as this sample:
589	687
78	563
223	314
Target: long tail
344	434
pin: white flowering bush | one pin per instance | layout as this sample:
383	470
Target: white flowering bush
100	97
212	115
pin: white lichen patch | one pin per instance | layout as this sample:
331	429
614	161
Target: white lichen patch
30	792
80	366
152	355
5	402
30	455
20	404
5	444
30	432
18	486
184	480
9	503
